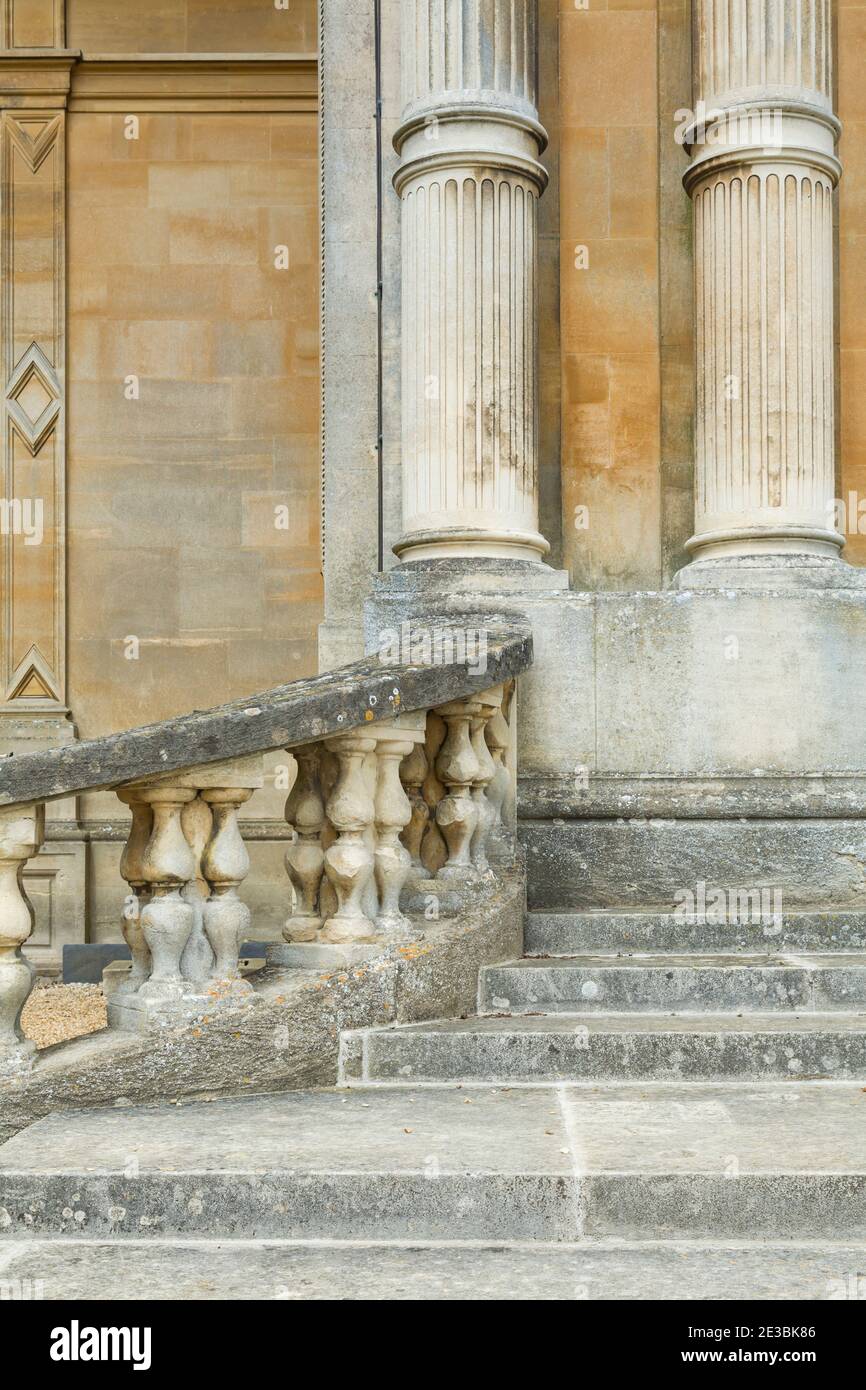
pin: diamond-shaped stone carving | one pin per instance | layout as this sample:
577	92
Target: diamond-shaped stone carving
33	398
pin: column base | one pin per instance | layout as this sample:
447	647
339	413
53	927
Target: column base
779	570
439	577
460	591
471	543
765	536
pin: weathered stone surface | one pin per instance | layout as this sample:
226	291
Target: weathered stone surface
546	1163
302	712
728	683
573	933
611	1047
674	703
285	1035
318	1165
655	983
643	864
567	795
281	1270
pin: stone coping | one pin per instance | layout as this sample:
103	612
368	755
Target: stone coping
304	711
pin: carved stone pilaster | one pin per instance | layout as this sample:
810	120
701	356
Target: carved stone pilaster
32	23
34	83
761	177
469	180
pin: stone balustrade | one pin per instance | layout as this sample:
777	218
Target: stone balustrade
370	824
184	862
379	812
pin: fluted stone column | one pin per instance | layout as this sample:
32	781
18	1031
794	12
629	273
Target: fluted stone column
762	173
469	180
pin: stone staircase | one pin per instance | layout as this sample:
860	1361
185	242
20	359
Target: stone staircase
610	1126
591	1001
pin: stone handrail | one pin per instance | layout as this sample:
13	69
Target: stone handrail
401	775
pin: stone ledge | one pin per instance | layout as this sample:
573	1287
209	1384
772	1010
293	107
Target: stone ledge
638	796
199	1269
814	864
304	711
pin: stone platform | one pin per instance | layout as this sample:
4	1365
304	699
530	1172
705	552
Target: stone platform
566	1163
257	1270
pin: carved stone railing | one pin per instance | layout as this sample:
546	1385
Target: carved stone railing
397	802
382	810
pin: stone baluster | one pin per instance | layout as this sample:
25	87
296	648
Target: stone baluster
349	861
21	834
393	814
192	864
305	858
413	770
370	897
485	811
434	851
457	767
197	962
225	864
167	920
132	870
498	738
328	774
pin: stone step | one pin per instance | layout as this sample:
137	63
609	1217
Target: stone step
611	1047
203	1270
566	1163
575	933
655	983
